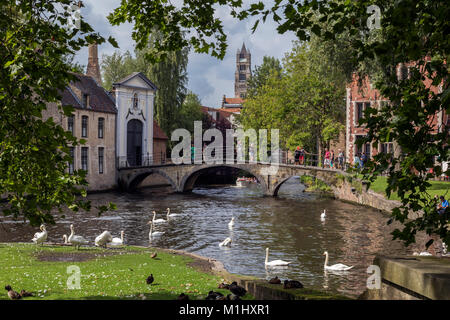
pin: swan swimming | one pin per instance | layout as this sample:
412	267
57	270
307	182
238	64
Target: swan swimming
231	223
338	266
117	241
76	240
152	234
172	215
40	237
275	263
157	220
323	215
225	243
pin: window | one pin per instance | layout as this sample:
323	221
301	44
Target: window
101	122
71	163
84	126
100	159
242	77
86	100
242	67
387	147
70	124
135	101
84	158
360	107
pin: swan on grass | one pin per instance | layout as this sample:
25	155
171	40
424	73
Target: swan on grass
157	220
172	215
103	239
225	243
152	234
275	263
337	267
117	241
40	237
76	240
231	223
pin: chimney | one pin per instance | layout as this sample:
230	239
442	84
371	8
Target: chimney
93	68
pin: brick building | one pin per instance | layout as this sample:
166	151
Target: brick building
359	98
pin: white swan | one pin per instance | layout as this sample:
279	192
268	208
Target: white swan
117	241
76	240
157	220
423	253
275	263
40	237
171	215
65	239
226	243
152	234
323	215
103	239
338	266
231	223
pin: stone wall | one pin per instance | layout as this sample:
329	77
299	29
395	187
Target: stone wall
344	190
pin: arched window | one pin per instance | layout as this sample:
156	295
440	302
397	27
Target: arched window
135	101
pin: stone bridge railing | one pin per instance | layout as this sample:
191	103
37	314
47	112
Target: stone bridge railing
182	177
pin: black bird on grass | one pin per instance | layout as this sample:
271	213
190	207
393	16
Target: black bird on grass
237	290
183	297
214	296
13	295
24	293
223	286
275	280
292	284
150	279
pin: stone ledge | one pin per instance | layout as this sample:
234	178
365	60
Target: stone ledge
426	276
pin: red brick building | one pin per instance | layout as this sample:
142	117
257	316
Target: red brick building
358	99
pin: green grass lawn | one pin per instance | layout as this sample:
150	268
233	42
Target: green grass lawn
105	273
437	188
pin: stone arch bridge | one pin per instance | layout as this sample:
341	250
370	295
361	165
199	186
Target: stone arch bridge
182	177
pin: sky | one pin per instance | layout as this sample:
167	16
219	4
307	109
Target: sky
209	77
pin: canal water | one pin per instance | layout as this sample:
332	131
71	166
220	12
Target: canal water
289	225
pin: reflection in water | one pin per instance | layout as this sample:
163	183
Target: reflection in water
289	225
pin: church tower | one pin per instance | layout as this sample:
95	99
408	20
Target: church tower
243	72
93	68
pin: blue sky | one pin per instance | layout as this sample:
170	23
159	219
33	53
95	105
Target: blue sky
209	77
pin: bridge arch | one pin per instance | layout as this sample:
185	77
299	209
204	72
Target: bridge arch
188	181
140	176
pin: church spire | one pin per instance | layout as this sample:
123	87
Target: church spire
243	49
93	68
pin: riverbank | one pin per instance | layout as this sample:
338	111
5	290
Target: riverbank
121	273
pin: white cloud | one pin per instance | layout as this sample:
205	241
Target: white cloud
209	77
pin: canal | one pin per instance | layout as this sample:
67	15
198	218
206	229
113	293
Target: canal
289	225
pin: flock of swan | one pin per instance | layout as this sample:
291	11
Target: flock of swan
105	238
281	263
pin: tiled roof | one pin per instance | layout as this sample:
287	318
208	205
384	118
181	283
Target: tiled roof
231	110
233	100
99	99
158	133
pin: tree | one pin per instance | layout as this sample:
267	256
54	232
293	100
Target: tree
116	67
410	31
34	153
262	73
190	111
